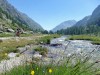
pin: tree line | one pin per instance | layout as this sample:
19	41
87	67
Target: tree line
77	30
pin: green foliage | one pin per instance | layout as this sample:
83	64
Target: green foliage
13	34
26	35
46	39
77	30
8	46
17	20
45	32
14	21
51	32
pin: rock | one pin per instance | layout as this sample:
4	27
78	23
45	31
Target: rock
46	59
1	31
1	28
10	30
12	55
37	56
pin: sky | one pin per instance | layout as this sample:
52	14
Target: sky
50	13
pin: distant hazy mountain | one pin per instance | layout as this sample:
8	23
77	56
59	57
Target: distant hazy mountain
15	18
64	25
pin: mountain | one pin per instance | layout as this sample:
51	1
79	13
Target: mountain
95	17
88	25
83	22
12	18
64	25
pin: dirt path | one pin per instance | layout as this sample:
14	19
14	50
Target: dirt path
30	37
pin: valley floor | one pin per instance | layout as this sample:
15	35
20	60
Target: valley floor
79	57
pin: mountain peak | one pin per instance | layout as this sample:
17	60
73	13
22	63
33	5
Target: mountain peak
64	25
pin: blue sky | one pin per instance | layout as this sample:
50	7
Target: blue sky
50	13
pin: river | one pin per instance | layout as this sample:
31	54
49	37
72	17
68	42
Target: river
70	47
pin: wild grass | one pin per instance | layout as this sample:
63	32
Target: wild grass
11	45
6	34
46	39
80	67
26	35
94	39
9	34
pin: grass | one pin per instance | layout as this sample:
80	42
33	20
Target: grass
6	34
26	35
94	39
11	45
46	39
42	50
81	65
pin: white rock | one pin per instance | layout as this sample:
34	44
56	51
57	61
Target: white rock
37	55
69	55
12	55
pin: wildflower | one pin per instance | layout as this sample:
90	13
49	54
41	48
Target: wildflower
50	70
32	72
5	54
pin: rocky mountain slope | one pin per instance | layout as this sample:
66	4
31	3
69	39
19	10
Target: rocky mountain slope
83	22
88	25
93	19
10	17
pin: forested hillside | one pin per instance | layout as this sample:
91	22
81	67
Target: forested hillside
88	25
11	18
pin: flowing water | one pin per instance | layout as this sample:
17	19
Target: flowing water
78	47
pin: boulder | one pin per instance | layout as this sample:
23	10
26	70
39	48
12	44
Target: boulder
12	55
10	30
37	56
